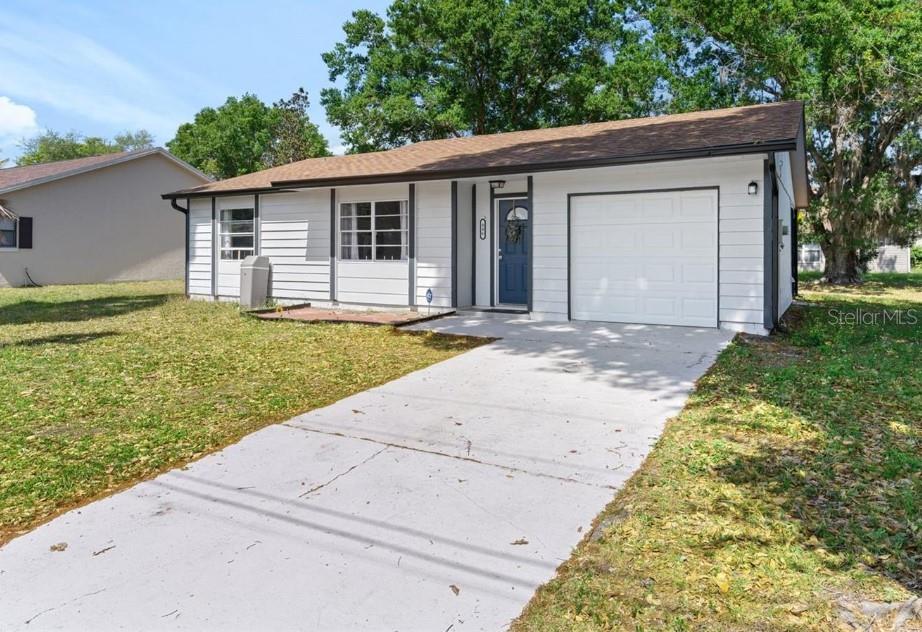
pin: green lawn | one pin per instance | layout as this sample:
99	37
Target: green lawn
104	385
792	479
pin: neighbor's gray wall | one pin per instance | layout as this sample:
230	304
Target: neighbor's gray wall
105	225
889	259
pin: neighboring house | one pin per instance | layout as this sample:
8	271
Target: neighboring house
889	258
94	219
676	220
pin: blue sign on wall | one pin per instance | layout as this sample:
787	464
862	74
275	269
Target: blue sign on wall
429	295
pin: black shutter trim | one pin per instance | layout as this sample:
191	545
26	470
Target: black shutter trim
25	233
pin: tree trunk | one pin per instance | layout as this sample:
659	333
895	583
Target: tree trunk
841	265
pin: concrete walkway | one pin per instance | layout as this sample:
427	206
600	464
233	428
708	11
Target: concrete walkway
439	501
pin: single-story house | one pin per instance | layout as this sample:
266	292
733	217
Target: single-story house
674	220
91	220
890	258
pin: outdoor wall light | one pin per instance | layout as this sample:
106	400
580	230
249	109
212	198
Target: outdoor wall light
753	188
497	184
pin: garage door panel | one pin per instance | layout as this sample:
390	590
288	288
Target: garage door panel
655	272
697	206
696	239
699	273
698	308
654	207
609	238
661	306
657	238
645	258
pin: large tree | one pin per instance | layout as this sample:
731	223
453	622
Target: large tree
50	146
294	136
441	68
857	64
245	135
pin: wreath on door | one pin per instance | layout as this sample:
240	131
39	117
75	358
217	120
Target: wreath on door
514	230
515	224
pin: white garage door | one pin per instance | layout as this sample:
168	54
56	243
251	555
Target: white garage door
645	258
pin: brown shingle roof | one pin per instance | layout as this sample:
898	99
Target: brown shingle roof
14	178
732	130
21	175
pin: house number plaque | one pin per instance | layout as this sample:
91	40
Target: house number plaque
483	227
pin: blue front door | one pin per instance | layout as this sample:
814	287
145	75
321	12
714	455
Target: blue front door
514	216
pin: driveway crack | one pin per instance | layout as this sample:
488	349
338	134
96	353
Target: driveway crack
341	474
70	601
468	459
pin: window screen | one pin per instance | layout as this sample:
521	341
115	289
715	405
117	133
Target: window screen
7	233
237	232
373	231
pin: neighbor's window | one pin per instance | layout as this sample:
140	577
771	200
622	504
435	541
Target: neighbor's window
373	231
8	233
238	232
811	255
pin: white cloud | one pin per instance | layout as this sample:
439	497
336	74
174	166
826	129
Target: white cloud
57	67
16	120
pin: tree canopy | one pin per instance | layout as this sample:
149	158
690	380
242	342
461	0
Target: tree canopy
294	137
440	68
50	146
245	135
857	66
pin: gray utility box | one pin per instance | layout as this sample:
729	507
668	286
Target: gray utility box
254	282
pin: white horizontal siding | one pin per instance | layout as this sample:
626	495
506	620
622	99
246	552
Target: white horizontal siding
199	267
295	236
433	243
373	282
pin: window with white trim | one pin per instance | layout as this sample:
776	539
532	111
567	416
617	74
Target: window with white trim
373	231
238	233
810	255
8	230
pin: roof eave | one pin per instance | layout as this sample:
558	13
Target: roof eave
563	165
799	173
445	174
192	194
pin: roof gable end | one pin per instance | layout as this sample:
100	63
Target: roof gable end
18	178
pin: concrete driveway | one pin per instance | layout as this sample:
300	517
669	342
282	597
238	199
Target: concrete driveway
439	501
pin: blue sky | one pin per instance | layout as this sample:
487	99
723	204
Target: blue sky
102	67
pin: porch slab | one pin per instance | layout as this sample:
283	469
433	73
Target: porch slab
395	318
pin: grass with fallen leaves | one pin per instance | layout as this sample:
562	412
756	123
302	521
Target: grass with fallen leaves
104	385
791	482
